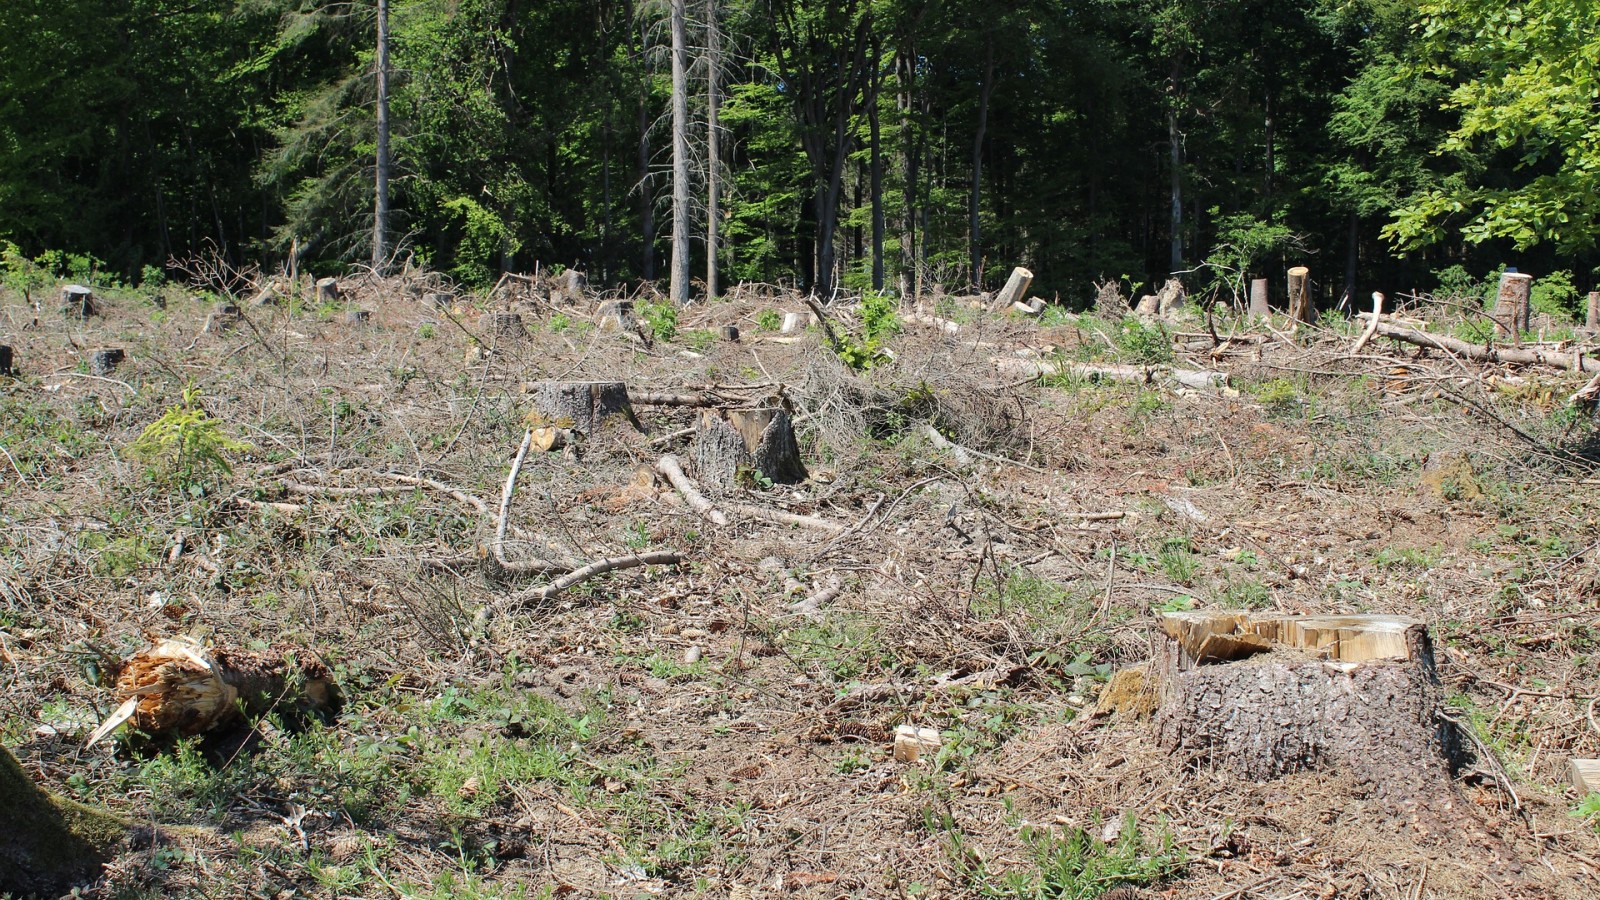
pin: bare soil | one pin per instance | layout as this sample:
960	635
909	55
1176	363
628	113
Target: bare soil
682	730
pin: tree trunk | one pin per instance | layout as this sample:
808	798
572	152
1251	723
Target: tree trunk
1351	249
679	286
1593	322
1174	163
877	169
713	151
380	209
760	441
1300	305
1511	310
48	844
974	223
647	200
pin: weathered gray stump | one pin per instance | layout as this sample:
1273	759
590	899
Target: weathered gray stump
581	406
6	361
437	300
1258	298
576	283
1263	696
223	318
358	317
1511	306
616	315
327	290
503	325
760	441
77	302
105	361
1171	296
730	333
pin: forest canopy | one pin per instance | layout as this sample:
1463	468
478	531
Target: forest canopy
858	144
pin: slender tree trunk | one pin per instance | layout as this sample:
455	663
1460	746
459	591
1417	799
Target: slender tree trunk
713	152
877	170
1351	250
1175	162
974	223
647	198
1270	163
380	206
679	287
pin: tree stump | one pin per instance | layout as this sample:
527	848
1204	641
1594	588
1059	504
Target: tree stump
358	317
1265	695
1170	297
575	283
437	300
327	290
506	326
1016	289
1301	309
7	363
730	333
1593	321
77	302
1511	306
223	318
105	361
1258	298
617	315
48	844
581	406
760	441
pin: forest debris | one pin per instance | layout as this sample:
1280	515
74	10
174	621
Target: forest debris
911	742
1525	356
813	604
180	687
598	567
1219	635
669	466
1372	327
1016	289
1584	774
1195	378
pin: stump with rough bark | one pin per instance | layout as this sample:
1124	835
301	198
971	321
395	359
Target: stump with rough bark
7	363
760	441
48	844
105	361
581	406
223	318
327	290
504	326
1301	309
1511	306
77	302
1265	695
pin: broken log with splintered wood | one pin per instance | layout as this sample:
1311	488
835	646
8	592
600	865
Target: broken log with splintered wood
581	406
1266	695
1033	368
1016	289
730	443
179	688
1526	356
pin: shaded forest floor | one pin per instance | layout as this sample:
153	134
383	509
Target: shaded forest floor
684	731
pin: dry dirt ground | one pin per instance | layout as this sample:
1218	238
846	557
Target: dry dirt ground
683	730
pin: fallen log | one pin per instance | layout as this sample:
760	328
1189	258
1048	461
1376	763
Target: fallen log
1521	356
1016	289
1034	368
180	687
598	567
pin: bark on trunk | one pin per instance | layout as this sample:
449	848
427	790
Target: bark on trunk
380	209
1511	308
713	151
974	222
1527	356
1300	305
582	406
48	844
679	285
1593	322
760	441
1258	298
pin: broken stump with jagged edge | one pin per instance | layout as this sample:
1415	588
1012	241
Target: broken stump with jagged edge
583	407
729	442
1264	695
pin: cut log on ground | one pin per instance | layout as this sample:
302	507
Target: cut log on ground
581	406
1301	309
49	845
1016	289
761	441
1265	695
179	688
922	318
1525	356
1511	306
1034	368
669	467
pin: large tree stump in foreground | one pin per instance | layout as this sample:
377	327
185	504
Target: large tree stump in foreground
1264	695
48	844
581	406
758	440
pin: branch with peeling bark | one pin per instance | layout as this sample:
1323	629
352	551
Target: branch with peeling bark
672	468
1034	368
1524	356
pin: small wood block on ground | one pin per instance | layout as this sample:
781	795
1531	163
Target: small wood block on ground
581	406
912	743
1584	774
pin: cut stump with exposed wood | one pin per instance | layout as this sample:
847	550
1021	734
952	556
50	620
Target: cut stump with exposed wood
761	441
1301	309
104	361
1265	695
581	406
1512	307
505	326
77	302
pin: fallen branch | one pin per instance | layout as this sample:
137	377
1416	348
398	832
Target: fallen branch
673	470
1194	378
598	567
1523	356
813	604
1372	327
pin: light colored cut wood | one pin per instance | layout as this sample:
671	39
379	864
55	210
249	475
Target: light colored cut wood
1511	307
1212	636
1016	289
1301	309
1584	774
912	743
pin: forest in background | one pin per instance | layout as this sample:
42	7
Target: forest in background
857	144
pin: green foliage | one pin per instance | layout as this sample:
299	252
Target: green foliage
769	320
1071	864
186	447
1143	343
1555	295
662	318
21	274
880	320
